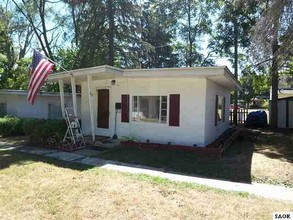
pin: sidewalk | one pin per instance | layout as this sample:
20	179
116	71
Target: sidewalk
263	190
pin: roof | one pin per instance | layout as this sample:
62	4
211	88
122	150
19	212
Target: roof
285	93
218	74
24	93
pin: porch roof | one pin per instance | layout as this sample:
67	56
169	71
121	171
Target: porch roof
218	74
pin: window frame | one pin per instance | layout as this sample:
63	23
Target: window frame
160	109
4	104
220	100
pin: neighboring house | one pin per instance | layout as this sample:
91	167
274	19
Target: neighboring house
285	112
285	93
47	105
186	106
285	102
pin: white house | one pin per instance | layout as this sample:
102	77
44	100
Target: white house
47	105
186	106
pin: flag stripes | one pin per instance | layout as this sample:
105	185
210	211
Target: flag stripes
41	69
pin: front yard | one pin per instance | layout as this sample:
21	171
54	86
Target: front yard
33	187
265	158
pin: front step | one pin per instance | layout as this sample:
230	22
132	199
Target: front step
102	141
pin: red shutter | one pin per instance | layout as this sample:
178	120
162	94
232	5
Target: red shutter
174	110
124	108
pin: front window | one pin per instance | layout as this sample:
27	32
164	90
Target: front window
149	109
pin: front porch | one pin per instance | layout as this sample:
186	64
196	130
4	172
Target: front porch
99	119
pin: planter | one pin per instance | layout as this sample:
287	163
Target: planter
156	146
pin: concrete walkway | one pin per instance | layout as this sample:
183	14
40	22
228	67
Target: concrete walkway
264	190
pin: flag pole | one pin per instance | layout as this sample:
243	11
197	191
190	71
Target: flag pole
57	64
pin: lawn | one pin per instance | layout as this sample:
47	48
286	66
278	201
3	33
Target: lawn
262	157
33	187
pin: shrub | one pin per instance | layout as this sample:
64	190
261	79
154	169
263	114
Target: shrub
11	126
40	130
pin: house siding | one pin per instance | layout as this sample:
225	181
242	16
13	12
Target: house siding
192	113
214	130
17	105
285	113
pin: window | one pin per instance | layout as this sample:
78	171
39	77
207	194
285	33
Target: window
149	109
54	111
3	109
220	109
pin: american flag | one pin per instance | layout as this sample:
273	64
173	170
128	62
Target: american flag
41	69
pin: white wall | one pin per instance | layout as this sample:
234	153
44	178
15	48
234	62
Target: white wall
211	131
17	105
197	118
192	108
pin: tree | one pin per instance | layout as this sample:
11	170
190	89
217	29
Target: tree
254	84
195	22
233	35
158	23
272	42
7	55
39	13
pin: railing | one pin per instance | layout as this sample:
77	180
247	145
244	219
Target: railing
241	115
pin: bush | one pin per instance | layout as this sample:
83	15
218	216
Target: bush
41	130
11	126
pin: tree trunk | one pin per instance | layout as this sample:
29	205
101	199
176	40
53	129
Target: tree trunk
275	85
111	33
189	35
235	70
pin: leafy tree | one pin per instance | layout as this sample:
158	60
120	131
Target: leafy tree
39	13
104	31
19	75
272	42
7	55
158	32
254	84
195	22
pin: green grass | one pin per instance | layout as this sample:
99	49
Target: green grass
265	158
35	187
165	181
189	163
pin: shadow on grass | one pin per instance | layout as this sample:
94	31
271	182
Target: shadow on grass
276	144
13	157
234	166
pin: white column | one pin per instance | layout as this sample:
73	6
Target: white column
61	89
91	107
73	88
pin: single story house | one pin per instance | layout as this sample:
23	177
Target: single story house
285	112
47	105
184	106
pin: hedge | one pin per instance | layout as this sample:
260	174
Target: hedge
38	130
11	126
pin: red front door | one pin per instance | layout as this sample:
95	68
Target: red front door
103	108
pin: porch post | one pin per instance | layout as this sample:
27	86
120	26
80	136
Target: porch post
73	88
90	94
61	89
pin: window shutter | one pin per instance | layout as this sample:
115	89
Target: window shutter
125	108
224	109
216	111
174	110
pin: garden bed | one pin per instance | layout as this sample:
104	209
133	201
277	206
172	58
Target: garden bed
198	150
